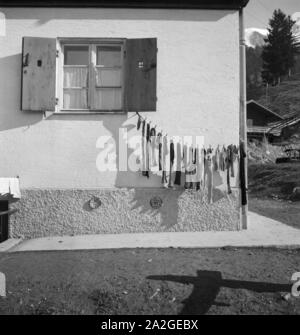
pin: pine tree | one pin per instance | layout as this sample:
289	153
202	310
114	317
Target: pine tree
280	49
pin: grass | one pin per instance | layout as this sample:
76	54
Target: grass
284	98
270	189
149	281
273	180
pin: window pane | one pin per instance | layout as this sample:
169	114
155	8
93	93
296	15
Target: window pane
75	77
108	99
75	99
76	55
109	56
105	77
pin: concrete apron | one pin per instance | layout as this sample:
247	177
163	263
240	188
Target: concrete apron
262	232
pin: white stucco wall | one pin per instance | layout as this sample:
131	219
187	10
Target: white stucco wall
197	90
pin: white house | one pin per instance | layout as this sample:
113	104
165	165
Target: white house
73	77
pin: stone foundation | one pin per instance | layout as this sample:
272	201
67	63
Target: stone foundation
68	212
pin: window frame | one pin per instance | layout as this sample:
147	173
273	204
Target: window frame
93	43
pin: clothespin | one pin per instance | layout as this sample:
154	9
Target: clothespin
47	114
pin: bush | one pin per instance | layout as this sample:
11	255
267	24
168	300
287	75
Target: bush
264	152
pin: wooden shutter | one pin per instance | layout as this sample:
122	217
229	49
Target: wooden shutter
140	74
38	74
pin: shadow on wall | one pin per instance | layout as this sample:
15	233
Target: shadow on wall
145	188
152	187
125	178
45	15
10	96
169	212
207	285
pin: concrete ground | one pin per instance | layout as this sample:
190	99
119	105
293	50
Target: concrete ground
9	244
262	232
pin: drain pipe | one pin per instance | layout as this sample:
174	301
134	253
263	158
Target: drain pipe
243	116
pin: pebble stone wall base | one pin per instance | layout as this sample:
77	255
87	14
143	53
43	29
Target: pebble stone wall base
51	212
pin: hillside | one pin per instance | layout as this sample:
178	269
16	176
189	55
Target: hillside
283	99
273	180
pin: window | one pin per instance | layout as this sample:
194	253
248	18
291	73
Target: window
75	77
88	74
92	76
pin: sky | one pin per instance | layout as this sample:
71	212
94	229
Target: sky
258	12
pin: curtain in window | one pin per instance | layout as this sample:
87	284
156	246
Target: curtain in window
75	77
75	87
75	99
108	98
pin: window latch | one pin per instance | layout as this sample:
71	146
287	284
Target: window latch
26	60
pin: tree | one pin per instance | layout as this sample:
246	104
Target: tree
254	65
280	49
253	72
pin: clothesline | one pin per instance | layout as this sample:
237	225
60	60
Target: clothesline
145	119
162	132
199	169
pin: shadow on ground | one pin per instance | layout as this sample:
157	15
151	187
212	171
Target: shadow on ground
206	287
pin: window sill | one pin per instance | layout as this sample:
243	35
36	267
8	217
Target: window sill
88	112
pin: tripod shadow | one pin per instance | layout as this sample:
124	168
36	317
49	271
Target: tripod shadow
206	287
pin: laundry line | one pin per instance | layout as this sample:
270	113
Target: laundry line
145	119
209	147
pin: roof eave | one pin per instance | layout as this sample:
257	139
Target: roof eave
220	5
265	108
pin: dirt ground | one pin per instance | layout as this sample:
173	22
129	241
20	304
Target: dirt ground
150	281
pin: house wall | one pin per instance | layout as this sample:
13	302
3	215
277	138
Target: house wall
197	91
260	116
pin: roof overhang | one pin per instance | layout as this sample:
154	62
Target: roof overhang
168	4
263	107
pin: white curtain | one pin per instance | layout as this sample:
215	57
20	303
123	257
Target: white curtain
108	98
76	88
75	77
75	99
